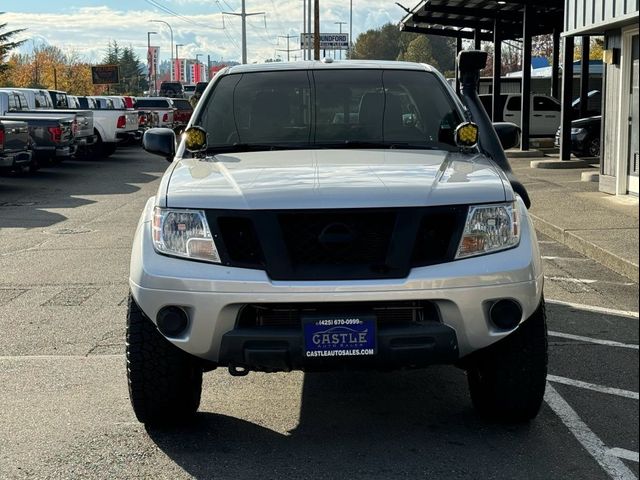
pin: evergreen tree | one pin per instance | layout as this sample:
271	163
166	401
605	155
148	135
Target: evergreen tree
7	43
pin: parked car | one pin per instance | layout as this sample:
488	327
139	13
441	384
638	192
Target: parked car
594	105
182	112
281	240
171	90
545	112
51	135
189	91
15	146
115	124
160	110
585	137
83	129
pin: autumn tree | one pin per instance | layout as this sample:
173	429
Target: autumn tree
418	50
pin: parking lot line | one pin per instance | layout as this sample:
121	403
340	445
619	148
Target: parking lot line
624	454
609	343
611	464
587	281
593	308
575	259
592	386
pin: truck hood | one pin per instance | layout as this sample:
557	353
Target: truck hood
298	179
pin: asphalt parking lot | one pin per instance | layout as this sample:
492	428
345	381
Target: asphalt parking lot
65	237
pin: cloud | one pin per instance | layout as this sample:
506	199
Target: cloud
87	30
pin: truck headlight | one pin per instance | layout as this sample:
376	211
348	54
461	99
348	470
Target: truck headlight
183	233
490	228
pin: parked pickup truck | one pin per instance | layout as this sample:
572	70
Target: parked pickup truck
28	102
159	109
282	241
545	112
182	113
112	123
15	152
51	135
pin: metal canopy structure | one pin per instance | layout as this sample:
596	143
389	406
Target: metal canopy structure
468	18
494	21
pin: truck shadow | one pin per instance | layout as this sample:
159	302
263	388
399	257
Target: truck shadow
26	201
360	425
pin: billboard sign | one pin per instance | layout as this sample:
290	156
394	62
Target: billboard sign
105	74
328	41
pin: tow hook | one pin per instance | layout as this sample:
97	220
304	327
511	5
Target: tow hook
238	371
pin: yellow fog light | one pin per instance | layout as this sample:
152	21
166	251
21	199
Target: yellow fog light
466	134
195	139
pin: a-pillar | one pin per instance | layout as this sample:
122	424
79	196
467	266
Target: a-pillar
555	66
525	95
584	77
496	107
476	39
567	97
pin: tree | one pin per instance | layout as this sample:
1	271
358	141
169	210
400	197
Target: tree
389	43
377	44
132	78
7	43
418	50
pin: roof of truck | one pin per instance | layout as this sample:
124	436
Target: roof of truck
330	64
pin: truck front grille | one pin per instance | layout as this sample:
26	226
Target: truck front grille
349	244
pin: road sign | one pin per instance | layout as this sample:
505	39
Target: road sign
328	41
105	74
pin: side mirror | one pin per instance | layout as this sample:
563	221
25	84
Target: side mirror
160	141
508	133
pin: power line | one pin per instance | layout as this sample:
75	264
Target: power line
181	17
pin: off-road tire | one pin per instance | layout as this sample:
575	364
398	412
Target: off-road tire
165	383
507	380
108	149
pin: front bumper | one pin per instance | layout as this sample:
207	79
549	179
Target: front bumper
213	296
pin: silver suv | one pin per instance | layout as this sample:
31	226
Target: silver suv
321	216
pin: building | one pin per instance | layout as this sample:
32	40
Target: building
617	20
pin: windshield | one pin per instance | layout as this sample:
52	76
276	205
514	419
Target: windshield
331	108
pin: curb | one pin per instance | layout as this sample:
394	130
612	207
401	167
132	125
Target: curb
560	164
524	153
591	250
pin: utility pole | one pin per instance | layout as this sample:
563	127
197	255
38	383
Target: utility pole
243	14
350	26
288	37
304	28
316	29
340	26
309	43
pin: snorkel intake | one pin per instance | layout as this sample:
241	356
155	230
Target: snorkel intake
470	62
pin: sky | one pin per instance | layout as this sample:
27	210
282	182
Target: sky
86	27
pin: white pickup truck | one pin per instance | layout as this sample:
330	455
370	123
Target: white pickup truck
545	112
113	123
284	236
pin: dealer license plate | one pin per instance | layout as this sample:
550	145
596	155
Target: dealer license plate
339	335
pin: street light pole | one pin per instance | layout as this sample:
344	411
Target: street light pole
340	24
171	50
149	59
350	25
